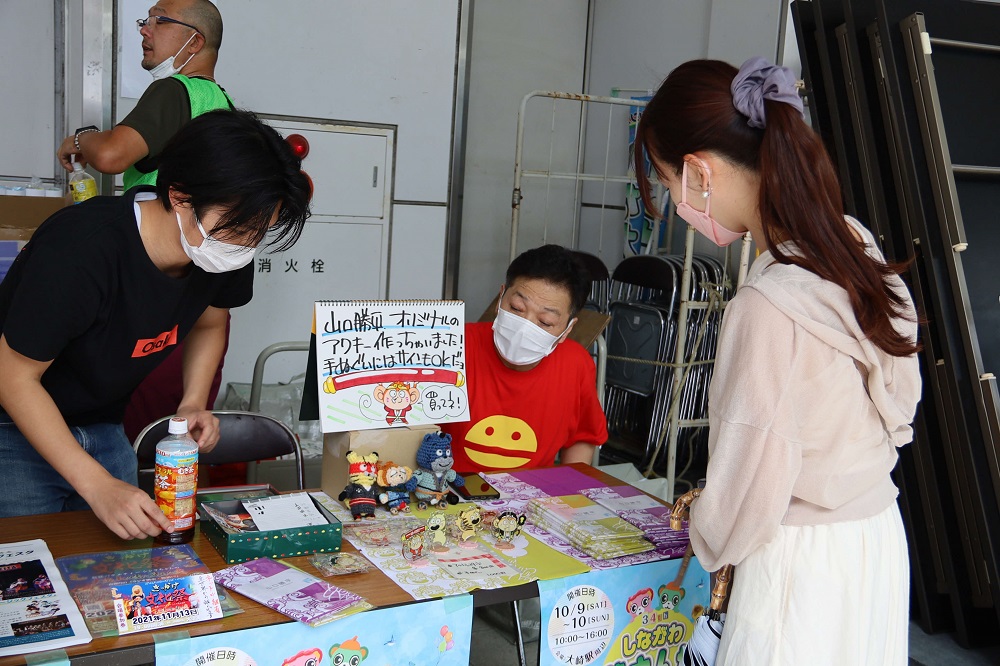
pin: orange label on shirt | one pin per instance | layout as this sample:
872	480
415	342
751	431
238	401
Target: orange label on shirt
152	345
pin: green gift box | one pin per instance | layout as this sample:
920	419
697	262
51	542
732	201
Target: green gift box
236	547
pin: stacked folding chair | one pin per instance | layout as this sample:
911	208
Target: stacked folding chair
645	298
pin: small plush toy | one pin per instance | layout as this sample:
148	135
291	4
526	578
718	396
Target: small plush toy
397	483
434	471
361	492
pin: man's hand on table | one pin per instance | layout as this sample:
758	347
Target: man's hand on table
127	511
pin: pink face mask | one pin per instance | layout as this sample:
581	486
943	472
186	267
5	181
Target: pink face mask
703	223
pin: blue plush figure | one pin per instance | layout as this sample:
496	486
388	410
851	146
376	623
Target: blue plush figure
434	471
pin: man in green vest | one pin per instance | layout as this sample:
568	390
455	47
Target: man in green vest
180	46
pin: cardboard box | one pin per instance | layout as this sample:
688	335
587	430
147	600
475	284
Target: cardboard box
291	542
396	444
20	216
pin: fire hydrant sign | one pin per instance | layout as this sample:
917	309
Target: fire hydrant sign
390	363
633	616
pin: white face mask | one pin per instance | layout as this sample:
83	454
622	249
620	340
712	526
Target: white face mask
166	68
214	256
519	341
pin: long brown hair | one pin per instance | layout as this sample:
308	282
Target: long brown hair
799	197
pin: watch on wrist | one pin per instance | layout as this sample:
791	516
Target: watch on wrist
83	130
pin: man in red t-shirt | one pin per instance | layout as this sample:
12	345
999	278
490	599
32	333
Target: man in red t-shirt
532	392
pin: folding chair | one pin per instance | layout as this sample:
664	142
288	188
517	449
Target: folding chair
243	437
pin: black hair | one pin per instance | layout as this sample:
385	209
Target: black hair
799	196
556	265
233	161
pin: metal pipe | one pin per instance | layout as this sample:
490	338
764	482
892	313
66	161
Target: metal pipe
460	113
581	141
257	383
59	101
970	170
967	46
519	151
562	175
676	382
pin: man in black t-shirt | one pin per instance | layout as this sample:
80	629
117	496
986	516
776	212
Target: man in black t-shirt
105	289
180	48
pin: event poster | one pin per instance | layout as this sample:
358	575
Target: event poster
390	363
144	606
36	610
634	616
431	633
90	577
639	223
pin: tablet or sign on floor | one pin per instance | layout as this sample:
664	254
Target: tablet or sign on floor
640	614
382	636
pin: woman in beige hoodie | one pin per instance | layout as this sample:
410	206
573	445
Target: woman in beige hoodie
816	378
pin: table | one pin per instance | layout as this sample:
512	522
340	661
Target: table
77	532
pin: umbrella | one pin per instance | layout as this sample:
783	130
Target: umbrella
703	647
704	644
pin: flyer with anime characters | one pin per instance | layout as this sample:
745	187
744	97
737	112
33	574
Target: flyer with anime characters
164	603
633	616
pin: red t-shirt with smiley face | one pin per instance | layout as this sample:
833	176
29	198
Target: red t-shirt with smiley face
522	419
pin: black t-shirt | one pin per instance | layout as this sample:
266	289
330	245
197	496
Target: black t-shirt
85	293
162	110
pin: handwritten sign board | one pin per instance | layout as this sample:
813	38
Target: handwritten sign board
390	363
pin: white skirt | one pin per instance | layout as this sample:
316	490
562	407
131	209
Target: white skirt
823	594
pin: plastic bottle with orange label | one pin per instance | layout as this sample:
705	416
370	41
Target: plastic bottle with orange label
176	482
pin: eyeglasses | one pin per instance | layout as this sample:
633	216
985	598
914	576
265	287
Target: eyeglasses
152	21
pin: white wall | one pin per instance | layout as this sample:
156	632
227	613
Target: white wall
742	29
517	46
635	45
27	79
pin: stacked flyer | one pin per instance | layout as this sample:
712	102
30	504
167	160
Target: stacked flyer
114	589
587	526
291	591
641	510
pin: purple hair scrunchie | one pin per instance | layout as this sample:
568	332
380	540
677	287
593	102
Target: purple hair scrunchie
759	80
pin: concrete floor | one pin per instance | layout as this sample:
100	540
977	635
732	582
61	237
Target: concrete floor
941	649
492	645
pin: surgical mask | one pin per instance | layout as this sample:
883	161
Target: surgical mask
519	341
704	223
214	256
166	68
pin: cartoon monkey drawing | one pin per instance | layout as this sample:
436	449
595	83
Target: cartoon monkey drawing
639	602
398	398
310	657
348	653
670	596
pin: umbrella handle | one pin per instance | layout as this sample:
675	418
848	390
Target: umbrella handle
721	589
682	507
